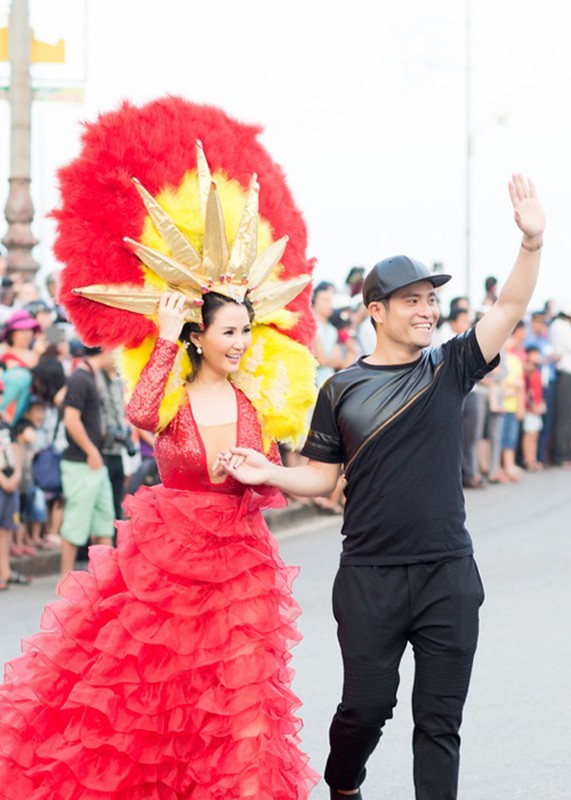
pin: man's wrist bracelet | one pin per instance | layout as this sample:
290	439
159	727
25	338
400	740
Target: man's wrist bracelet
533	249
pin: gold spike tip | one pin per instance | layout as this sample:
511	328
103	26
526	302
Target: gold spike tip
266	262
84	291
204	176
243	252
274	295
138	299
173	272
179	246
215	251
127	297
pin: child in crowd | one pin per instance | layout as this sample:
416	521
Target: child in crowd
534	408
33	511
36	412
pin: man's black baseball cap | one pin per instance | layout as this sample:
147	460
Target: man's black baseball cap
395	272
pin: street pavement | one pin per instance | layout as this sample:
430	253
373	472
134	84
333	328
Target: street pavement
517	729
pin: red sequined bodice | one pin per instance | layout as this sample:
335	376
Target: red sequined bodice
179	449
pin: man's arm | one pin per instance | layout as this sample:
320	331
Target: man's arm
495	326
314	479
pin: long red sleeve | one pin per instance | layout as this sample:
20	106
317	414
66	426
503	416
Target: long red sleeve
143	407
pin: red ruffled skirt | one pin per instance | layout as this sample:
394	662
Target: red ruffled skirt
163	672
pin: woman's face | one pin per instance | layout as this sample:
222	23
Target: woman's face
226	339
22	338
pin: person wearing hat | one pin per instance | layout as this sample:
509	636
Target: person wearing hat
18	337
22	346
407	575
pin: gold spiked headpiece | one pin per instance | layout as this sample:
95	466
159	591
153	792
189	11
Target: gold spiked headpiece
234	272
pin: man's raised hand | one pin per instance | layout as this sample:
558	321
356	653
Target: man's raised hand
528	211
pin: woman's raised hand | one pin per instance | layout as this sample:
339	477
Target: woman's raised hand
171	315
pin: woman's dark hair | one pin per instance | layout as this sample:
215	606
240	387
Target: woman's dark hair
212	302
48	377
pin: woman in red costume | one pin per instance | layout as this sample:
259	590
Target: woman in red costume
162	673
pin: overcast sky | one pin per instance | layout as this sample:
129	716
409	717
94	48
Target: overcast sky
362	103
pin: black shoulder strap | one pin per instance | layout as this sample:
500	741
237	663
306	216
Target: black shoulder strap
58	423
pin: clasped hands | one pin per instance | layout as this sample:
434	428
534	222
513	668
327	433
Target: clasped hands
244	464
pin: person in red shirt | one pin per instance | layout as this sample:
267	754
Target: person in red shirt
534	408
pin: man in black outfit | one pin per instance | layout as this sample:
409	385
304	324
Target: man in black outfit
407	573
88	510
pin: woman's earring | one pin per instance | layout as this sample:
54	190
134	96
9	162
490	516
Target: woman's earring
199	349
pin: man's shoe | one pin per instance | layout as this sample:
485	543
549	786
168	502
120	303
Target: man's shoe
335	795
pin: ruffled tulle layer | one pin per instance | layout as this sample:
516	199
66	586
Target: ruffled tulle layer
162	673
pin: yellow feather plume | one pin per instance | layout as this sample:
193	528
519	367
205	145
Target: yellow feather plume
277	374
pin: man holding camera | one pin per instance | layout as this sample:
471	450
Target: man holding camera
88	511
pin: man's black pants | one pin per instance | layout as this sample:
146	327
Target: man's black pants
435	607
114	464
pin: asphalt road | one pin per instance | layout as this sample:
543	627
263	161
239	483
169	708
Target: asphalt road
517	729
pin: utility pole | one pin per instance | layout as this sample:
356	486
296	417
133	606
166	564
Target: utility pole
19	239
468	154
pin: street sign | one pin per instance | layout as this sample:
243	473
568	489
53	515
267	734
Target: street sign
58	52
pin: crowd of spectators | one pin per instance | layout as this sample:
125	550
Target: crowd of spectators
39	353
519	417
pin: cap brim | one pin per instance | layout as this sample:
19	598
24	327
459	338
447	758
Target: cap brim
439	279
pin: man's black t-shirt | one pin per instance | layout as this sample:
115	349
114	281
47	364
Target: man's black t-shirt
82	393
398	431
